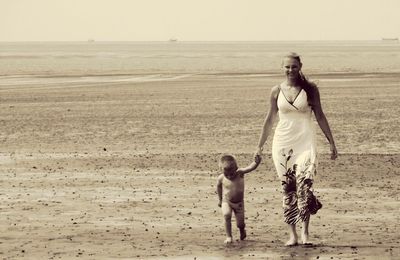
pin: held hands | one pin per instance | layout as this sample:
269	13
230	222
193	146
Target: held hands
257	155
257	158
219	204
258	151
334	153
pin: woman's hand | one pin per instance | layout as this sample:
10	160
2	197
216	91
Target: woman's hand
258	152
334	153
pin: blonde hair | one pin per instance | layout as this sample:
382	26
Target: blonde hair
309	87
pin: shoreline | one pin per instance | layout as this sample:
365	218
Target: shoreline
338	73
109	80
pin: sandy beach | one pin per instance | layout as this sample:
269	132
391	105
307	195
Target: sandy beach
128	171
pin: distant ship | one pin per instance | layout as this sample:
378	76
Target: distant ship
390	39
173	40
90	40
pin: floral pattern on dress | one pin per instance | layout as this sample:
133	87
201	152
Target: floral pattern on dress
298	198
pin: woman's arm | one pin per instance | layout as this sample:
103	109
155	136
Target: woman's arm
323	122
269	119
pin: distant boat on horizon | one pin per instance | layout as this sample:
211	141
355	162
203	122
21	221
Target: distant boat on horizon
390	39
90	40
173	40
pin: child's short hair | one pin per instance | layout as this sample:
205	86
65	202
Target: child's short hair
227	158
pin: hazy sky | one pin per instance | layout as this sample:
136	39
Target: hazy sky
198	20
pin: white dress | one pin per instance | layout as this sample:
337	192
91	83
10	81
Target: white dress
294	132
295	158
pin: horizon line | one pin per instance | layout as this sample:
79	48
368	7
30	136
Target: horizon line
383	39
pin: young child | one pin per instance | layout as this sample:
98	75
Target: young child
230	189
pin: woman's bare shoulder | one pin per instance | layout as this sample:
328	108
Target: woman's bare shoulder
275	91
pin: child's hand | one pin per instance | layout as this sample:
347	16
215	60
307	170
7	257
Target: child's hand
257	158
219	204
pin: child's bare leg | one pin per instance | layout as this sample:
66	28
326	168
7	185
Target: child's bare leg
228	228
239	215
227	212
243	234
304	233
292	235
241	226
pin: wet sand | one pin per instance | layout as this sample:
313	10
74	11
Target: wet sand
129	171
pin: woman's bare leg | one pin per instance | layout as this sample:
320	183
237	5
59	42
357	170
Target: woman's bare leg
305	232
292	235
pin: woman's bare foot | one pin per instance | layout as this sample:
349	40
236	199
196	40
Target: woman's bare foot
292	241
304	238
228	240
292	236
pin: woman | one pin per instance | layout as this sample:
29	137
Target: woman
293	145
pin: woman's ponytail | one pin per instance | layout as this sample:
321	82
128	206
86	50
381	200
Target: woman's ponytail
309	87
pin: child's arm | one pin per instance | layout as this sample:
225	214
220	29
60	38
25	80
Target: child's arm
251	167
219	189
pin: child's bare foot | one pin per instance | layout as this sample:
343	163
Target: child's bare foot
228	240
243	234
292	241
